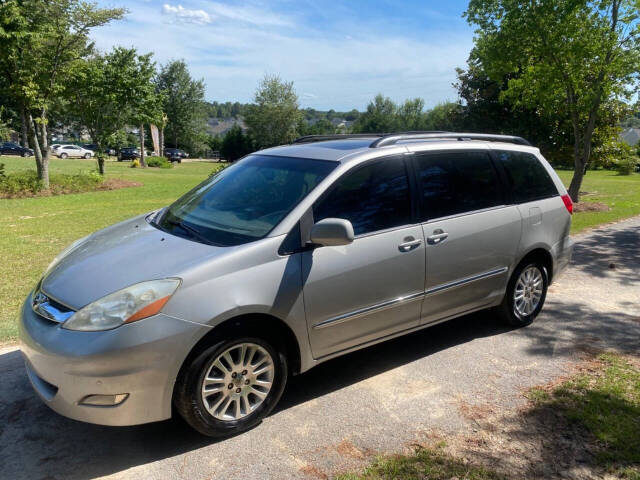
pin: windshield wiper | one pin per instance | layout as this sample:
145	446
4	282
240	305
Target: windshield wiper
193	231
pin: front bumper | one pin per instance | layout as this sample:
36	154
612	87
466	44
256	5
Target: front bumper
141	359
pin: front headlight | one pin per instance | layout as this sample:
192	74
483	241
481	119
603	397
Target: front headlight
133	303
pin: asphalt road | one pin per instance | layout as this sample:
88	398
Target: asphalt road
339	415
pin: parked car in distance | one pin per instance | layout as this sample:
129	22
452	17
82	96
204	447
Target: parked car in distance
290	257
72	151
94	148
12	148
128	153
175	154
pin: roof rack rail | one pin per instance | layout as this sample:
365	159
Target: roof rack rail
336	136
392	139
344	136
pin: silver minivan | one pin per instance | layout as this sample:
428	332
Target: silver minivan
289	257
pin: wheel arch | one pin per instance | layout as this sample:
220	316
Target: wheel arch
261	325
543	255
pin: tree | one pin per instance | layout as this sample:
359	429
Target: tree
380	117
273	119
485	109
5	129
41	42
571	56
235	144
184	105
446	116
111	91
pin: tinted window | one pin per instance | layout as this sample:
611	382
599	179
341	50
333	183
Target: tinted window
527	177
457	182
373	197
244	202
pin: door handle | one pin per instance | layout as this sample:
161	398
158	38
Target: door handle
409	244
437	237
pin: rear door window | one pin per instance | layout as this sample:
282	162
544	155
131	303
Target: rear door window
527	178
373	197
453	183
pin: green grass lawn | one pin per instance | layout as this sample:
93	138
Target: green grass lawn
604	402
621	193
34	230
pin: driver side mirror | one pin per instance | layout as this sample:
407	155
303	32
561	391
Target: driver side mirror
332	232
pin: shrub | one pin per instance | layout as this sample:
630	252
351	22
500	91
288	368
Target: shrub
20	183
160	162
218	168
26	183
626	165
135	163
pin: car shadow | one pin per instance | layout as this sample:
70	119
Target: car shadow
613	253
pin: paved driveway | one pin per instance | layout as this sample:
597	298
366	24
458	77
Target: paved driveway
339	415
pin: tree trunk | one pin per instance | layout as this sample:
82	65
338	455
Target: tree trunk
581	156
24	129
161	140
100	158
44	149
36	145
142	162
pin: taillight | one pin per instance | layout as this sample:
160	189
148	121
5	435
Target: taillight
568	203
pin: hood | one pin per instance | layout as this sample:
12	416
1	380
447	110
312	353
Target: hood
118	256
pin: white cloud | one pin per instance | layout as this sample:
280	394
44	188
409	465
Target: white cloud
248	14
181	14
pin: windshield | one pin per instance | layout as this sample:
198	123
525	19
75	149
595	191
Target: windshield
244	202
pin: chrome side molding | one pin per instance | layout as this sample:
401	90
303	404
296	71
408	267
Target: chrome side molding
363	311
464	281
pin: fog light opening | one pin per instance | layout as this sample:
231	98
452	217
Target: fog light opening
104	400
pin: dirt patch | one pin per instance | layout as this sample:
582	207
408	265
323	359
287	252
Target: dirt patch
348	449
56	190
314	472
117	183
590	207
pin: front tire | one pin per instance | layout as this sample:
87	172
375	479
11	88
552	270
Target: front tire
25	154
526	293
231	386
63	156
87	156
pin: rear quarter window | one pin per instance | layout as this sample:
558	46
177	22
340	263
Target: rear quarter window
527	179
454	183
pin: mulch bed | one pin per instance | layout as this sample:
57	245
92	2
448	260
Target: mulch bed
590	207
108	184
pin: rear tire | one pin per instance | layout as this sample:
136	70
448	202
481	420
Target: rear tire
87	156
525	295
25	154
63	156
205	411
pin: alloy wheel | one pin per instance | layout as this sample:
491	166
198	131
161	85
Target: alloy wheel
528	291
237	381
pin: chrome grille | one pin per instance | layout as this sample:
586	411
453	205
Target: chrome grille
49	308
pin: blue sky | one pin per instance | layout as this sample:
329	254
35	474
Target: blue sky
338	54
